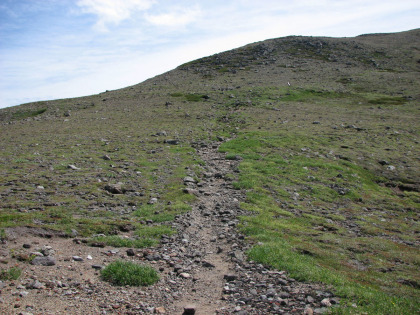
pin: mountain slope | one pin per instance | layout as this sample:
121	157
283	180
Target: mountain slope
320	135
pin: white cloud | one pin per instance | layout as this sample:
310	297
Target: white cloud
112	11
178	17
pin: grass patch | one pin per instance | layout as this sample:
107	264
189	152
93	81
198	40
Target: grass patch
12	273
128	273
302	205
28	113
195	97
388	100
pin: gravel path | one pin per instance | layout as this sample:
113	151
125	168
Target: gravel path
203	268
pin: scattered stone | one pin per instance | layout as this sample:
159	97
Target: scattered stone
71	166
152	201
160	310
130	252
230	277
115	189
26	245
189	179
97	267
326	302
172	141
185	275
43	261
77	258
189	309
106	157
36	285
310	299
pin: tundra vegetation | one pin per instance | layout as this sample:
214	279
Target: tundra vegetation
326	131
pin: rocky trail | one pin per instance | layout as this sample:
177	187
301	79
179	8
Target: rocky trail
203	268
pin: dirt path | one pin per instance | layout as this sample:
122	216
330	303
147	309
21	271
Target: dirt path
203	267
210	221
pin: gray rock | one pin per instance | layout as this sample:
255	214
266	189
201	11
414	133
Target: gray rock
77	258
97	267
130	252
189	179
47	250
271	292
185	275
115	189
43	261
326	302
106	158
71	166
172	141
35	285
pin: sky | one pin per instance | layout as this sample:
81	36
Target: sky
51	49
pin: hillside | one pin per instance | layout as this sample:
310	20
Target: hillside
279	177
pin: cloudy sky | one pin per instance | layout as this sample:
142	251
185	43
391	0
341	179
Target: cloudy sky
53	49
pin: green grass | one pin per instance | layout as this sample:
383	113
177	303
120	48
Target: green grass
22	114
302	203
12	273
123	273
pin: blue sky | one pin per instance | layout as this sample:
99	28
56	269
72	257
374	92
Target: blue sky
53	49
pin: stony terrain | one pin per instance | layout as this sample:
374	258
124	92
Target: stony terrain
277	178
202	268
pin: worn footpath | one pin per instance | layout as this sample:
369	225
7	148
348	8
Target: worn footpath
203	269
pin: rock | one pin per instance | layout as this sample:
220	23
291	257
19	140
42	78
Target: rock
26	245
310	299
130	252
185	275
308	311
189	179
326	302
77	258
97	267
390	168
152	201
191	191
89	257
160	310
47	250
43	261
230	277
74	233
208	264
271	292
115	189
23	293
71	166
189	309
106	158
35	285
172	141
